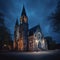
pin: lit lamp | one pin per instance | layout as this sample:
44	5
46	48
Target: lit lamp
36	45
43	41
36	41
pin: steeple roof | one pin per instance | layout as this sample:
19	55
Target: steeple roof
23	11
32	30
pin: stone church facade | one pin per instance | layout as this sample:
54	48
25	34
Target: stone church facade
26	39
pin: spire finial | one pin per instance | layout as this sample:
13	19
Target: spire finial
23	11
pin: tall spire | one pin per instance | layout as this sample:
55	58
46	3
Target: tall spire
23	11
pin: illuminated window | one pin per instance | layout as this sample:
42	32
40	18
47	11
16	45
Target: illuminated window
20	45
25	19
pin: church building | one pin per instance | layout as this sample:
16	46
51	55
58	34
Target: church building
26	39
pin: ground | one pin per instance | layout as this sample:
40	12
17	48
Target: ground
42	55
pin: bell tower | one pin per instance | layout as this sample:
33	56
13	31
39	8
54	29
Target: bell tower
24	30
16	35
24	18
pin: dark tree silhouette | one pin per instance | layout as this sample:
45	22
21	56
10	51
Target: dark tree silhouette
5	37
2	26
50	43
55	19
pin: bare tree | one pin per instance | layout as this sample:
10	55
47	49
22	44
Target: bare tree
5	37
55	19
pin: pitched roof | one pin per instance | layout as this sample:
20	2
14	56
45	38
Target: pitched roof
32	30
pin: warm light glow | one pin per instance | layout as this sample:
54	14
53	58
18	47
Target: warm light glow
25	19
20	45
5	45
36	41
43	41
